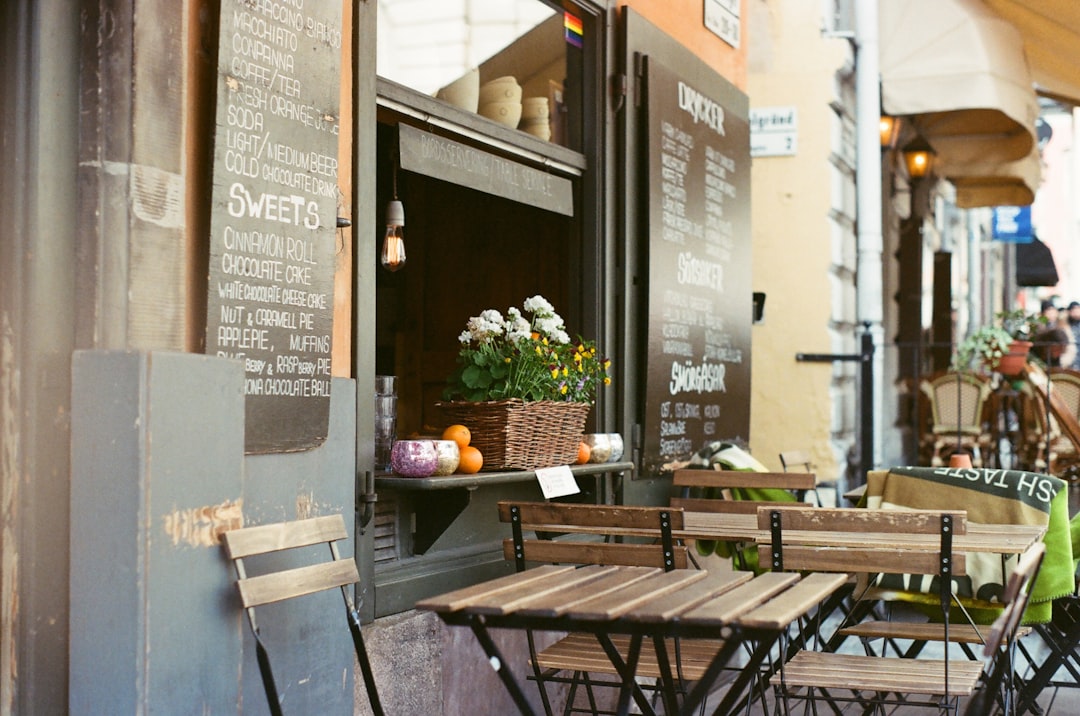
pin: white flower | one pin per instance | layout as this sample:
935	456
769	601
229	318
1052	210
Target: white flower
539	306
518	329
486	326
549	326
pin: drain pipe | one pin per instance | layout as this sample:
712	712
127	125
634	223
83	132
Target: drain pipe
869	242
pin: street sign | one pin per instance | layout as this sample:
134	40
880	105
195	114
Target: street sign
1012	224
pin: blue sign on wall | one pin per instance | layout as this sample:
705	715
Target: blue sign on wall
1012	223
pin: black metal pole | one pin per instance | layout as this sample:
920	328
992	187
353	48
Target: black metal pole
865	358
866	387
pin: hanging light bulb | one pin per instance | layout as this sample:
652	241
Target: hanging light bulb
393	248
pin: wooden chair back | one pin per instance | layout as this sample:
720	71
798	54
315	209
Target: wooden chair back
593	534
275	586
796	461
724	484
834	539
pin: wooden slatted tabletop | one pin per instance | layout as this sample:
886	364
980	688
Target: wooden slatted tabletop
641	603
989	538
622	597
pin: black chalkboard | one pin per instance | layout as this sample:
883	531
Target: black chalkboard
700	298
273	222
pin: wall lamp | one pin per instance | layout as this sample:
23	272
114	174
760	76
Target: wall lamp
918	157
889	128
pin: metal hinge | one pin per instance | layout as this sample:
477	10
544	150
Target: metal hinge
618	92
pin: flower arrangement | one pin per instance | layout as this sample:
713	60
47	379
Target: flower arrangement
531	358
986	346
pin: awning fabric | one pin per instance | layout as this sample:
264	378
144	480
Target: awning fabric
997	183
958	71
1051	33
1035	264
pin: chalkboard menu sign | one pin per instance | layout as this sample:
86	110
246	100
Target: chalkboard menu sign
274	213
700	304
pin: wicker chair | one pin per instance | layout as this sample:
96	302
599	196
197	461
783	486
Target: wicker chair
957	406
1036	452
1065	455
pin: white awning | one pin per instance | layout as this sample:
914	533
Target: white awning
1051	33
958	71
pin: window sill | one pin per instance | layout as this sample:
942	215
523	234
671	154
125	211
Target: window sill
471	482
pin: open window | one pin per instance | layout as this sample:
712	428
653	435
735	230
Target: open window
478	234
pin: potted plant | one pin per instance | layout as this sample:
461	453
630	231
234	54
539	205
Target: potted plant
523	387
1001	347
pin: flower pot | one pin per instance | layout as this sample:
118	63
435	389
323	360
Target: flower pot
1012	363
517	435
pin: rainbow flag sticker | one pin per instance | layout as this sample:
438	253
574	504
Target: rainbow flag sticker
574	33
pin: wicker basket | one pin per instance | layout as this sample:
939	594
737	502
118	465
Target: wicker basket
515	435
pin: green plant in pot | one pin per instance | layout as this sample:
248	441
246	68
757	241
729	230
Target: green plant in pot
1001	347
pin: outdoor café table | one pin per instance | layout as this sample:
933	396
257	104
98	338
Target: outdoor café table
641	602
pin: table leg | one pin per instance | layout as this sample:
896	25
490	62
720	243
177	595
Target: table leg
626	670
1062	646
700	692
667	681
498	663
747	674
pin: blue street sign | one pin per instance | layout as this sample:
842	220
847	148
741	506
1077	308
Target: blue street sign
1012	223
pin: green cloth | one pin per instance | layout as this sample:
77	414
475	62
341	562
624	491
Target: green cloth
989	497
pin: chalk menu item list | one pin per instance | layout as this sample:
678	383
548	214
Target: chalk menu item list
273	223
700	298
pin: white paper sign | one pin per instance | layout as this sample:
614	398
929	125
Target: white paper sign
557	481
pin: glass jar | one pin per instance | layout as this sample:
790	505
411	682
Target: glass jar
616	447
448	457
599	447
414	458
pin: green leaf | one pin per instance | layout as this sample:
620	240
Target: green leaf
474	377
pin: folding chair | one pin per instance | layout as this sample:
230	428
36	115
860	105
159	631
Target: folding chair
296	582
838	540
1001	644
601	535
736	492
798	461
1056	665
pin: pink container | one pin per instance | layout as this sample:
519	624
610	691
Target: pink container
414	458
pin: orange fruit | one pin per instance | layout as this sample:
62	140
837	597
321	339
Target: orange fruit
471	460
459	434
583	453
